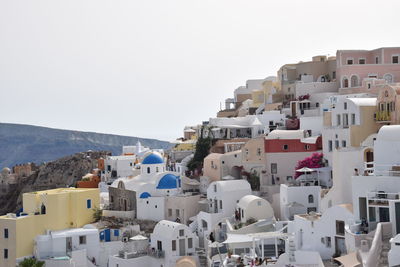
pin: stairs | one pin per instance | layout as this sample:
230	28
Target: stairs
202	256
383	258
292	249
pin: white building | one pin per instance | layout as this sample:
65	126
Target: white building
323	233
62	243
118	166
249	126
347	124
253	207
376	197
170	242
394	253
224	195
298	200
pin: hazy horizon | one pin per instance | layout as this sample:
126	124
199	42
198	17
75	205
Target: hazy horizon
148	68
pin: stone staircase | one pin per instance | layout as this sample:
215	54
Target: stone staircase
292	249
383	257
202	256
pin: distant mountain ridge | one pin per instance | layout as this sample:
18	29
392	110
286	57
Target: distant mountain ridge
20	143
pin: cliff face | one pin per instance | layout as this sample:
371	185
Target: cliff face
63	172
26	143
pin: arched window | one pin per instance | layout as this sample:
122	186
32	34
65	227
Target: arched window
345	83
388	77
310	199
121	185
354	81
148	169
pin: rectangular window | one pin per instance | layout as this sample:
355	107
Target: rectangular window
116	232
345	120
336	144
169	212
181	232
5	253
343	143
349	61
372	214
177	213
338	119
376	60
5	233
82	240
334	75
220	204
395	59
285	147
190	242
353	119
330	145
215	188
307	147
340	228
173	245
361	61
345	105
89	203
274	168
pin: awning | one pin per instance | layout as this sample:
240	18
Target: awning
237	238
349	260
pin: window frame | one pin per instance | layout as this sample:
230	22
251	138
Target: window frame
82	240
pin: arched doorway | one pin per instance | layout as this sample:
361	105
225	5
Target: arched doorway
354	81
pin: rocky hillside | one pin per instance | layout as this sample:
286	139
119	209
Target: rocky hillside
63	172
25	143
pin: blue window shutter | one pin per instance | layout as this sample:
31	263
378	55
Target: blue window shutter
89	203
116	232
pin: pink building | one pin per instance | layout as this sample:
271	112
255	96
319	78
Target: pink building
355	67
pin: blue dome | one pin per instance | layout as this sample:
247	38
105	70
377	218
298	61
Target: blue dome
169	181
145	195
153	158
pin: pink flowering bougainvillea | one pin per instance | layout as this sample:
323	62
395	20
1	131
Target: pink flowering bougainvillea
314	161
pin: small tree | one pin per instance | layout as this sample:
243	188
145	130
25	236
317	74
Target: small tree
314	161
31	262
253	179
203	146
97	213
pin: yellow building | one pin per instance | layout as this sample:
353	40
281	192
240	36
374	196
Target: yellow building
54	209
264	96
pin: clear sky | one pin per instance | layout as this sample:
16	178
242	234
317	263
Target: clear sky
148	68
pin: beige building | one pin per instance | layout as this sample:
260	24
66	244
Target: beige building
348	124
320	69
253	156
217	165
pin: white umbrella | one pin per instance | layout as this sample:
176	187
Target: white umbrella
305	169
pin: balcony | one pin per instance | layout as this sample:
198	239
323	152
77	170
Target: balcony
383	116
381	198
